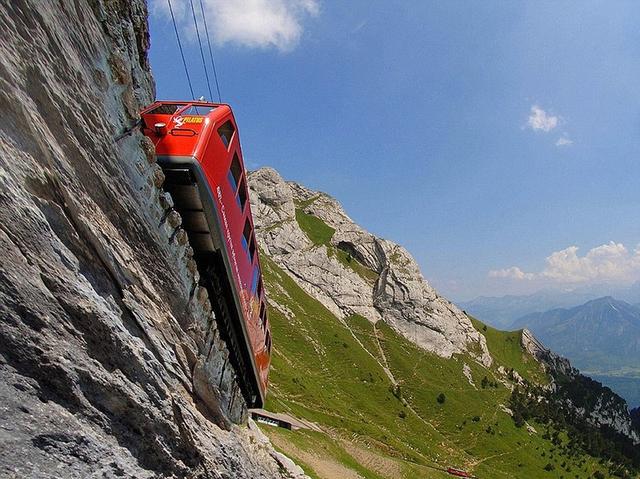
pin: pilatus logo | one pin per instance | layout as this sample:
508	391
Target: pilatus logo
181	120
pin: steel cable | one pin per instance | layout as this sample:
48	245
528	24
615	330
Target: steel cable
184	63
213	63
204	64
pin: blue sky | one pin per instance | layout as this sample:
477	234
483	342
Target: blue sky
498	141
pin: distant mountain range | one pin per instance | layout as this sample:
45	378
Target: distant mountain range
503	311
367	349
600	337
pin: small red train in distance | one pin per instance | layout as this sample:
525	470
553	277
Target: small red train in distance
458	473
198	147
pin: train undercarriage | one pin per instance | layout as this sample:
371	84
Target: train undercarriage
192	199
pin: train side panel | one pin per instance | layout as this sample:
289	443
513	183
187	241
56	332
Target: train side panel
234	209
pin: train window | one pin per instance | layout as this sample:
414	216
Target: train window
252	249
263	318
234	172
198	110
226	132
267	342
167	109
260	288
246	235
242	195
254	282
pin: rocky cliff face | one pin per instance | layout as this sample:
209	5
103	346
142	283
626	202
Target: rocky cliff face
350	271
552	362
110	362
635	417
601	408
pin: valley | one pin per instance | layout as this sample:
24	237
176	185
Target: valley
386	406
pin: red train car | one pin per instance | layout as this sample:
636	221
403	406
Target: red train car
198	147
459	473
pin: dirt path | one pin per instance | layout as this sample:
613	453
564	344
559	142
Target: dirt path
323	466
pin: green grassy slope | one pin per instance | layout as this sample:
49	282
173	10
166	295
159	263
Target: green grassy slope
321	233
375	396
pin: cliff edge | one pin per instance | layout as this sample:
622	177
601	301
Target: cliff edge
110	362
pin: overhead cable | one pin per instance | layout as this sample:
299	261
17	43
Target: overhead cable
204	64
213	63
184	63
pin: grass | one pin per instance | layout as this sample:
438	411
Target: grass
350	262
309	201
319	232
322	373
506	349
317	448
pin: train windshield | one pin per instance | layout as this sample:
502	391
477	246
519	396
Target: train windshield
167	109
199	110
172	108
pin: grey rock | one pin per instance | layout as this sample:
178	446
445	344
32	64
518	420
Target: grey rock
551	361
395	292
608	410
110	362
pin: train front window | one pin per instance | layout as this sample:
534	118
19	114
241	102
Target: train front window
226	132
167	109
198	110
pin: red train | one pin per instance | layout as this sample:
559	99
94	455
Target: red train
459	473
198	147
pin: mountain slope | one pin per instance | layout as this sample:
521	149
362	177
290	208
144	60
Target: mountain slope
375	396
351	271
505	310
390	400
600	335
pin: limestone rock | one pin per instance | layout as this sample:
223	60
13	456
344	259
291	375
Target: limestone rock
550	360
609	409
385	282
101	319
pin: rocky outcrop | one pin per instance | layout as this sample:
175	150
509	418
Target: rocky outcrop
587	398
110	361
551	361
635	418
609	410
354	272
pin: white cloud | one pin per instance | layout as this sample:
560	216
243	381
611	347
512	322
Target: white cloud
513	273
250	23
541	120
564	140
611	262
